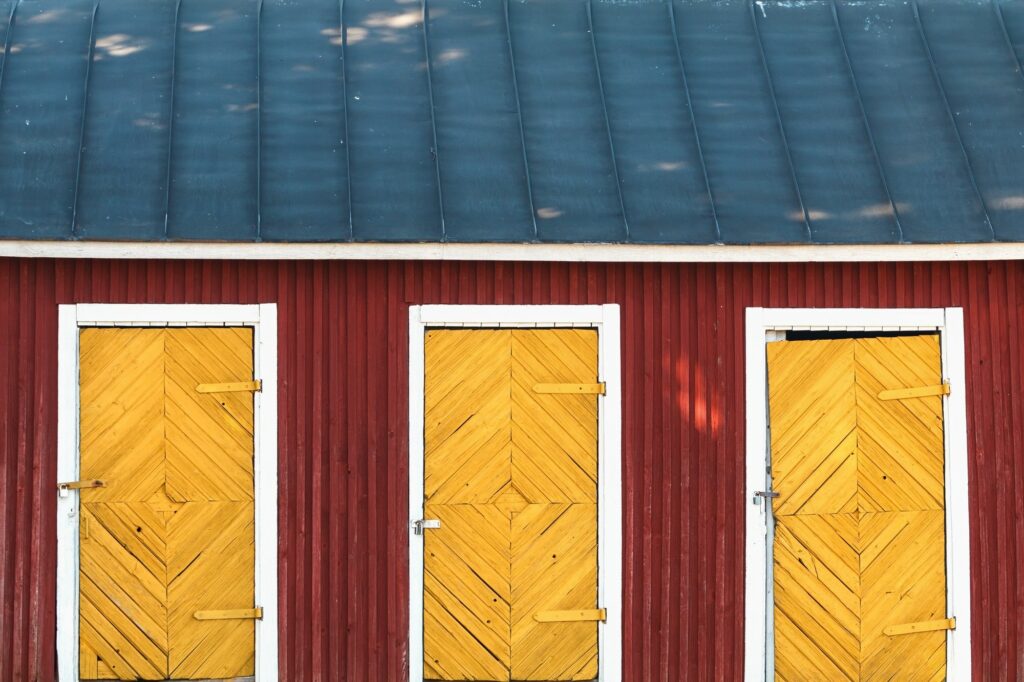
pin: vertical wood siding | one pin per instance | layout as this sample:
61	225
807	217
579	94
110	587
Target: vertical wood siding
343	442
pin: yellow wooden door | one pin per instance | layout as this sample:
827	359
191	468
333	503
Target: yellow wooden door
859	549
510	577
171	533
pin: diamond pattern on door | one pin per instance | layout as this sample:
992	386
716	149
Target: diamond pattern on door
860	521
172	532
512	476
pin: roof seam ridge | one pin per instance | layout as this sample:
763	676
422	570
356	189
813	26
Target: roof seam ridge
425	18
693	122
867	123
952	118
607	121
778	119
90	54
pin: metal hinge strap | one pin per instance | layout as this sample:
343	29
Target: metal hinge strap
231	387
917	392
230	614
571	616
923	626
578	389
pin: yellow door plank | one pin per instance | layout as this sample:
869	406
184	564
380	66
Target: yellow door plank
171	532
903	578
813	422
554	568
901	463
121	412
860	529
467	435
511	473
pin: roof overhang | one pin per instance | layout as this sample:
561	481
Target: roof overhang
629	253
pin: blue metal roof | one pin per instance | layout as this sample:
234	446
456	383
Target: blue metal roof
699	122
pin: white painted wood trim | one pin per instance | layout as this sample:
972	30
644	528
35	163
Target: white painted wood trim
958	535
851	319
604	318
265	487
67	507
263	319
758	660
670	253
756	573
156	315
416	454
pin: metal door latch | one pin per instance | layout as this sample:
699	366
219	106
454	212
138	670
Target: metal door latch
419	526
764	494
63	489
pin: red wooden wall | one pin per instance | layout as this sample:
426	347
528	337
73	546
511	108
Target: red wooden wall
343	441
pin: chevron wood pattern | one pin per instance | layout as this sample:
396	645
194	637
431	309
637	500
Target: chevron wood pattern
172	532
512	476
860	522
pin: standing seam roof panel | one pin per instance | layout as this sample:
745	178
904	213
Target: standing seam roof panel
215	137
483	177
986	93
222	122
840	184
304	174
571	165
40	127
394	190
923	162
663	184
123	186
745	155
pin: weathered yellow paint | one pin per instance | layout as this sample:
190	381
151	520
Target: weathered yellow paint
860	523
511	473
171	532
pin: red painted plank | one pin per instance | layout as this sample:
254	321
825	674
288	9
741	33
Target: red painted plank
343	440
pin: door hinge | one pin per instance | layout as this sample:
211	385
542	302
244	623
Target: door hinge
924	626
231	387
63	489
579	389
419	526
571	616
917	392
230	614
764	495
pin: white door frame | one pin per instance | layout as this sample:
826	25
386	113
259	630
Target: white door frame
263	319
768	323
603	318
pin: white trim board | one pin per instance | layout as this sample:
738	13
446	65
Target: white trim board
766	324
630	253
263	319
603	318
